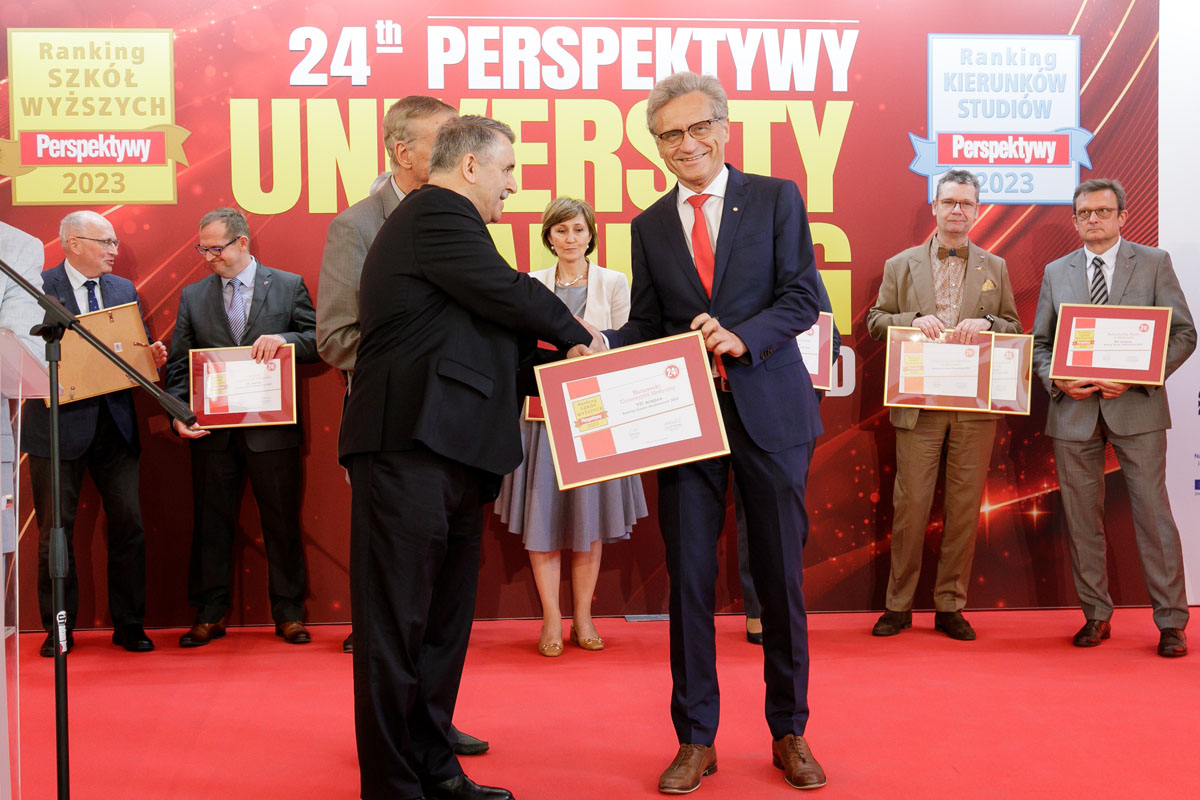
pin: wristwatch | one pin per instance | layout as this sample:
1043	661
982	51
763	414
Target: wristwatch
991	320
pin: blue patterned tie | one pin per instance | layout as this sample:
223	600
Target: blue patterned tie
237	312
1099	287
93	304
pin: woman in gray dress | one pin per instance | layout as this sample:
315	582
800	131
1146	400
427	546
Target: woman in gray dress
530	504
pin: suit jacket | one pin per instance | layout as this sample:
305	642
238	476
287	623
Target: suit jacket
445	322
346	244
765	290
280	305
607	298
77	420
1142	276
907	293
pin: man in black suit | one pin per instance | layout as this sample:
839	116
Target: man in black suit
97	435
730	255
429	428
244	303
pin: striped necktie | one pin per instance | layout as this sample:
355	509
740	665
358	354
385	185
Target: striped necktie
237	312
1099	287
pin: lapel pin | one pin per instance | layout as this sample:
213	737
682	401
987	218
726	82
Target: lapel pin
735	208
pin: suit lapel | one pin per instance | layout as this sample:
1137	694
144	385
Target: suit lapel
263	278
215	303
920	267
64	292
972	283
737	190
667	214
388	199
1122	272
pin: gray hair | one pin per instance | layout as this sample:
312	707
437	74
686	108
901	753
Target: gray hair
1099	185
76	223
235	222
398	122
960	176
679	84
463	135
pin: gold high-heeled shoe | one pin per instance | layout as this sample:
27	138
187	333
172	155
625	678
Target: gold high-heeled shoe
550	649
590	643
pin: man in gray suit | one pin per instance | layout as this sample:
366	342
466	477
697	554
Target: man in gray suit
243	303
1085	414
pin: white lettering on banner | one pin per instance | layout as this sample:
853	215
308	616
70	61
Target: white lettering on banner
561	57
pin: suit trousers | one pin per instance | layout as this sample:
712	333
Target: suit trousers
416	522
113	465
968	445
1143	460
218	480
691	505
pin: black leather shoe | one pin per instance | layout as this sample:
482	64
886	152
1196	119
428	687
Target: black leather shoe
891	623
461	787
1172	643
1092	633
133	638
467	745
348	643
48	645
954	625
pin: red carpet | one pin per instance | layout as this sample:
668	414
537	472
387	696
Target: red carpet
1017	714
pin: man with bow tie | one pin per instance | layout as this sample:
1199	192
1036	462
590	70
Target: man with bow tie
243	303
952	290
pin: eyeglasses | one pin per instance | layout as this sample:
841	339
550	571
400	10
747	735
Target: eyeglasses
948	205
699	131
216	251
105	243
1084	214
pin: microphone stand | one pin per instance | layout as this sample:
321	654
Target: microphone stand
58	320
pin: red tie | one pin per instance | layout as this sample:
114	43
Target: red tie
701	248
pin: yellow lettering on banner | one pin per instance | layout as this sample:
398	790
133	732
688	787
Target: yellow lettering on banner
819	148
502	236
540	256
514	112
473	105
617	256
572	150
835	249
333	152
642	184
245	160
756	117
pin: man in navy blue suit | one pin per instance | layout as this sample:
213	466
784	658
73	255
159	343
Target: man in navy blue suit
730	254
97	435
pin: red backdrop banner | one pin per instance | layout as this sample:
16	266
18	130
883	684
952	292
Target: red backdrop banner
154	113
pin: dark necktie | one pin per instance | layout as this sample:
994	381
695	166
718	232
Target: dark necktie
701	247
1099	287
237	312
93	303
959	252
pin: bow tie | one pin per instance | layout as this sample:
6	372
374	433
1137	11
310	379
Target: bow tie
953	252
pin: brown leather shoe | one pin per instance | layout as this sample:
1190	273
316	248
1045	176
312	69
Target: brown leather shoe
692	762
293	632
201	634
1172	643
891	623
954	625
1092	633
800	769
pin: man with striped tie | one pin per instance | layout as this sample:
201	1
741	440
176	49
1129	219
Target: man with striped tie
1085	414
243	303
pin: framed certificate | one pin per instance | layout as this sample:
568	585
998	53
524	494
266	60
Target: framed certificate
816	346
85	373
1112	343
1012	373
937	375
229	389
631	410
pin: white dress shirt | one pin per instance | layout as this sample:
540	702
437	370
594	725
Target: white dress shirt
712	209
1110	264
78	280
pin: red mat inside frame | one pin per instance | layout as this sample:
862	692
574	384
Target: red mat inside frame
1018	713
